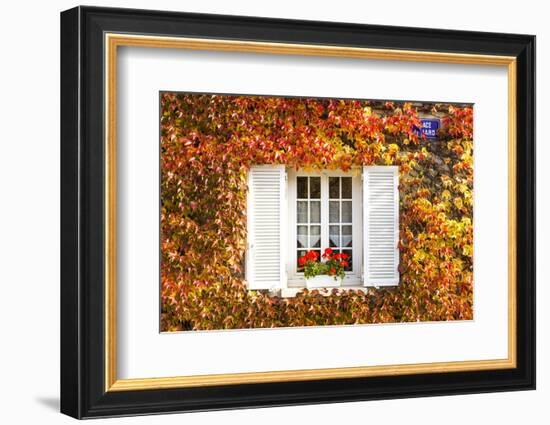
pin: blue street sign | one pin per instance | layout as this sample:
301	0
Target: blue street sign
430	126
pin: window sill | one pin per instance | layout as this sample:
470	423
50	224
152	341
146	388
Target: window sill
351	280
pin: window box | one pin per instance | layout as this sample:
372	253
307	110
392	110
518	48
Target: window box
323	281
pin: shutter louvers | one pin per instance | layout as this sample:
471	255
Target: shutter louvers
381	225
266	227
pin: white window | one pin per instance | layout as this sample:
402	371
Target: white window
291	212
324	211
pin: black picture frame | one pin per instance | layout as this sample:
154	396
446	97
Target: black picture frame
83	392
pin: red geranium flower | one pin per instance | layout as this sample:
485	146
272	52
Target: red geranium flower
312	255
328	252
302	261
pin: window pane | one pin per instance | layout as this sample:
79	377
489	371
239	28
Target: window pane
302	187
346	236
334	187
300	254
302	212
346	212
315	187
334	211
315	236
315	212
334	236
349	252
346	187
301	236
318	253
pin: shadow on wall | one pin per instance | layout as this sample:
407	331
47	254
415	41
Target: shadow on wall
49	402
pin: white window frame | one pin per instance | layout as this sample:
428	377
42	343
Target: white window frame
354	278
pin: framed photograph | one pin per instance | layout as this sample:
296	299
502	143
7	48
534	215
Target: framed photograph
261	212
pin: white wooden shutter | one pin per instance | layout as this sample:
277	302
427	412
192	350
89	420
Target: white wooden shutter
380	225
265	268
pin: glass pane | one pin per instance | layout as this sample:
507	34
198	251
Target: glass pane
301	237
346	212
334	236
302	212
318	251
315	236
302	187
315	187
300	254
315	212
334	187
334	211
349	252
346	236
346	187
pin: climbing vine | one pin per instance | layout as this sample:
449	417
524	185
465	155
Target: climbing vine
208	143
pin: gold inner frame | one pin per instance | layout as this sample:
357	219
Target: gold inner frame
113	41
